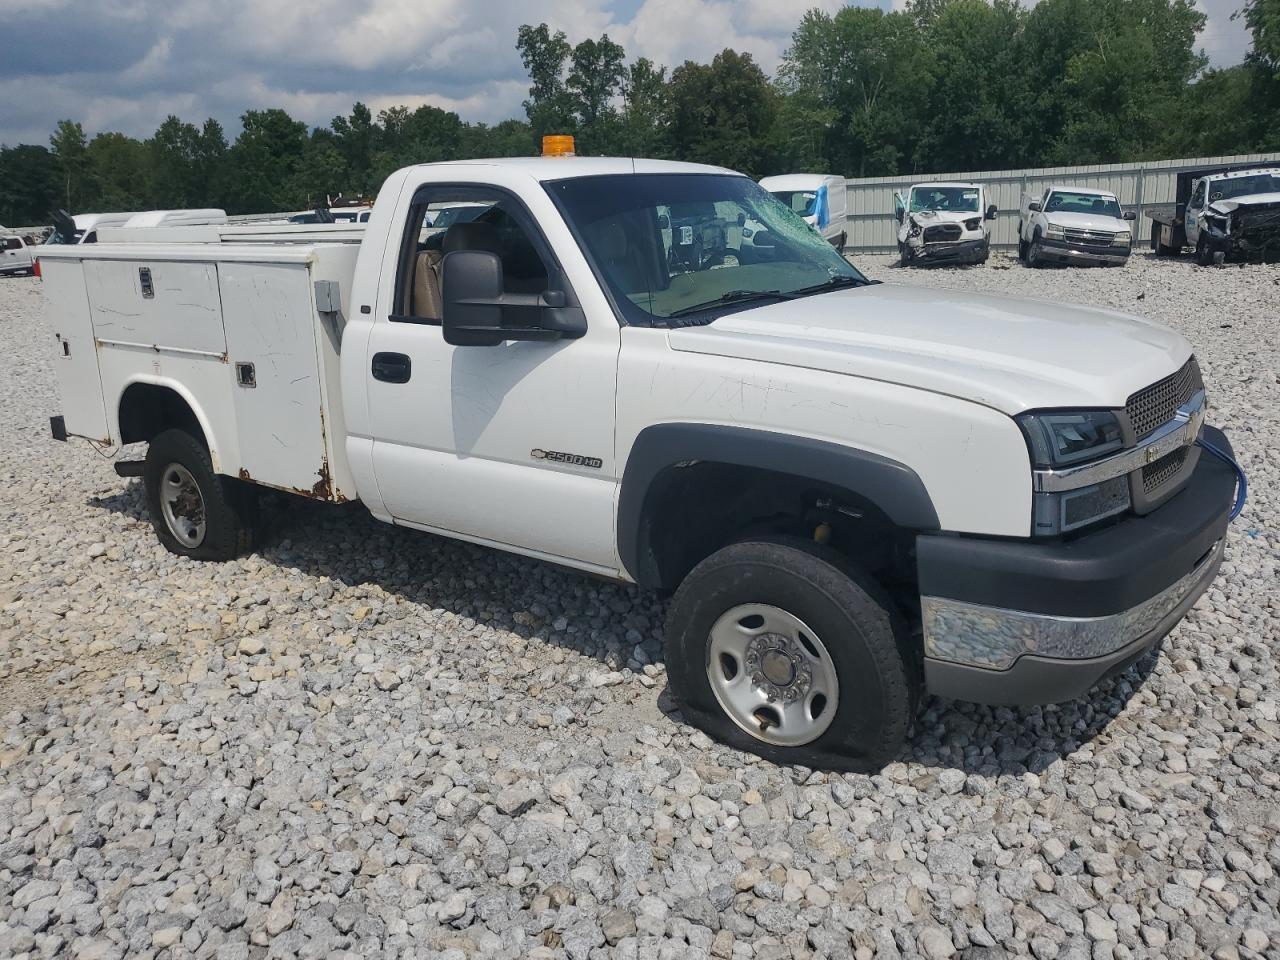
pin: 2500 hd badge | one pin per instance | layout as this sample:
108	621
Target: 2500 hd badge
573	459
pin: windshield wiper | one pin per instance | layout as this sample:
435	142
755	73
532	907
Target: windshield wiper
733	296
831	283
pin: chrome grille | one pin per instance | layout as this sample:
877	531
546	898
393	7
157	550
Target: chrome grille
1156	405
1156	475
1089	238
942	232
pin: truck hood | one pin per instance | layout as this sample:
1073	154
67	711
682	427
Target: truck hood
1251	200
1086	221
1003	352
927	217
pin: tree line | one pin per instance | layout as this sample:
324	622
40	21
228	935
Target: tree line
944	85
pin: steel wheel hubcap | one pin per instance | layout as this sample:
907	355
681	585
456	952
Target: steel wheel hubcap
182	505
772	675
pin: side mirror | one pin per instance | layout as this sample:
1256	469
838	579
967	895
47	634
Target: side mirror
742	219
477	313
1130	215
991	212
1034	206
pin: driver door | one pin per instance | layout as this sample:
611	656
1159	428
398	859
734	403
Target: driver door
1195	207
510	445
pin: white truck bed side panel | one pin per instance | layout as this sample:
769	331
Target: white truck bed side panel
270	324
76	355
181	313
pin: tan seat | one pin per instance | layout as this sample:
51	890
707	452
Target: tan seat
427	301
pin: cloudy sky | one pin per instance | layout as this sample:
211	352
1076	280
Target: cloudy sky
126	64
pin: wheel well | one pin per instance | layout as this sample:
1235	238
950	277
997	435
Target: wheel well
693	510
146	409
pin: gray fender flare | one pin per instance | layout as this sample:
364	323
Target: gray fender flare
892	487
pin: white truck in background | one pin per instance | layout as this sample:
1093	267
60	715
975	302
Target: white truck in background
944	223
857	491
83	227
1074	225
1226	213
15	255
820	199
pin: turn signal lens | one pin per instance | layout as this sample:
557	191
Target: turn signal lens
35	269
557	145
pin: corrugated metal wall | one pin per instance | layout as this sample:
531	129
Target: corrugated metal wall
1138	186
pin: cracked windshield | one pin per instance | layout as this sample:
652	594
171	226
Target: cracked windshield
674	246
958	199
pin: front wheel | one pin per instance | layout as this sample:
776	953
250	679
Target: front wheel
776	649
1035	253
195	512
1204	253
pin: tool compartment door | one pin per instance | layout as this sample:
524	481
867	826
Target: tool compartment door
75	353
275	373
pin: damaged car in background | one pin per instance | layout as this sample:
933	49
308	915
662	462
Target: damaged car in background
1224	214
944	223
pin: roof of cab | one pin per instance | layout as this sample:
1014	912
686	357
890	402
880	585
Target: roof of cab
563	168
945	183
1236	174
1068	188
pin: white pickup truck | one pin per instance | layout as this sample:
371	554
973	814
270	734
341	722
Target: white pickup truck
857	491
1074	225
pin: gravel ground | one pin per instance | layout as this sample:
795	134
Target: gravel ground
366	742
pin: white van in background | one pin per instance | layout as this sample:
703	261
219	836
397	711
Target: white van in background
819	198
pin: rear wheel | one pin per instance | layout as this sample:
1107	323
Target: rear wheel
775	648
195	512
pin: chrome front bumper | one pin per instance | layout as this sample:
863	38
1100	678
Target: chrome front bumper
994	638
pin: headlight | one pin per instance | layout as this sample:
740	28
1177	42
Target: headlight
1054	231
747	233
1066	438
973	224
1123	237
915	229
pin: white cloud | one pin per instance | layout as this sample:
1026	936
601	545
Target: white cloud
126	64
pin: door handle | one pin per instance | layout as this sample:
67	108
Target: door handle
391	367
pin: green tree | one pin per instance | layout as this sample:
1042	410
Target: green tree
71	156
30	185
595	80
721	112
121	171
264	162
550	107
175	181
357	140
864	68
645	107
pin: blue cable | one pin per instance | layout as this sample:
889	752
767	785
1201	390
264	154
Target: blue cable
1242	482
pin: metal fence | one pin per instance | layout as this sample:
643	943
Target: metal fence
1138	186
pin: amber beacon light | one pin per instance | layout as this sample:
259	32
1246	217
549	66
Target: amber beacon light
557	145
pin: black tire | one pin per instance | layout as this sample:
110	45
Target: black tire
904	255
230	507
1204	253
840	249
878	674
1033	258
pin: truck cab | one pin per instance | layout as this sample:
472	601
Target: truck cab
854	492
944	223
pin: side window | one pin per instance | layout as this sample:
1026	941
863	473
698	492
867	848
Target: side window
12	243
1197	198
444	219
